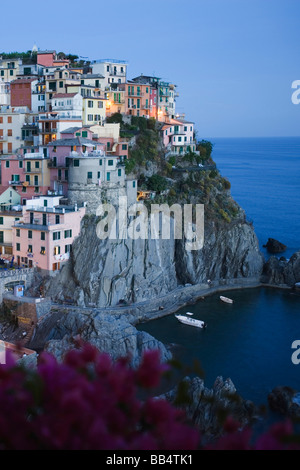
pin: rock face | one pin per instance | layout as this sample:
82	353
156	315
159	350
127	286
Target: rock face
207	405
274	246
105	272
282	272
112	334
286	401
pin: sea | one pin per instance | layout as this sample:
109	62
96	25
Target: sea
251	340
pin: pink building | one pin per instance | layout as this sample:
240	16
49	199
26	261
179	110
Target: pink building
44	237
178	136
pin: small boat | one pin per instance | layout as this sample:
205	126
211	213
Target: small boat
189	313
191	321
226	299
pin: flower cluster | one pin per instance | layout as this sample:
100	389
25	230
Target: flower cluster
88	402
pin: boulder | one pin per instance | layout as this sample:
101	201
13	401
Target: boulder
205	407
285	401
274	246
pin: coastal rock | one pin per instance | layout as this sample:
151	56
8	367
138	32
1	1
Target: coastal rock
274	246
285	401
282	272
103	272
205	406
112	334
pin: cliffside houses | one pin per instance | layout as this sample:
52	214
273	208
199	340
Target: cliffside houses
59	157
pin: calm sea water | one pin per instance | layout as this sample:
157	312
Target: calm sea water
250	340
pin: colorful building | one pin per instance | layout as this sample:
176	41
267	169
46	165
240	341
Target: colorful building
21	91
27	173
178	137
137	99
44	237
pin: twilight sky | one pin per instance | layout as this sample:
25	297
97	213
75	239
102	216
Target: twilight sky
233	61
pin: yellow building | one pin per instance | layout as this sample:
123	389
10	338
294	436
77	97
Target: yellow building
93	111
9	69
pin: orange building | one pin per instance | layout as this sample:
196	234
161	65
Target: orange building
137	99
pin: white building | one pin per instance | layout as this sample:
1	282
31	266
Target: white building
113	70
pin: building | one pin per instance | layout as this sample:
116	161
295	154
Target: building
21	91
51	124
178	137
165	96
113	70
27	173
137	99
4	93
9	69
93	111
44	237
60	152
8	218
57	81
11	122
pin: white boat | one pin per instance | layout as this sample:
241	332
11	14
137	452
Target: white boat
191	321
226	299
189	313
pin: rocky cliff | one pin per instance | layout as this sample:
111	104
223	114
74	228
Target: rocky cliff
105	272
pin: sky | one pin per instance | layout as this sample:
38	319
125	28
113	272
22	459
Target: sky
233	61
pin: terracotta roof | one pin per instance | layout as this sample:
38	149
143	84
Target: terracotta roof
64	95
23	80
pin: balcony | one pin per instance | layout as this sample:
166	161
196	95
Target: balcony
135	95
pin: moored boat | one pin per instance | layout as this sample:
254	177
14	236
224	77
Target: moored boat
226	299
191	321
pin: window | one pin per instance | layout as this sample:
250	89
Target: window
43	235
18	247
20	164
9	132
43	250
90	175
100	104
56	250
68	233
98	175
61	84
11	72
56	236
29	250
24	190
133	184
7	164
45	202
27	178
124	146
90	117
66	175
29	233
59	175
76	162
108	176
119	172
84	134
110	163
36	180
68	248
100	162
9	119
90	104
37	164
57	219
1	220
